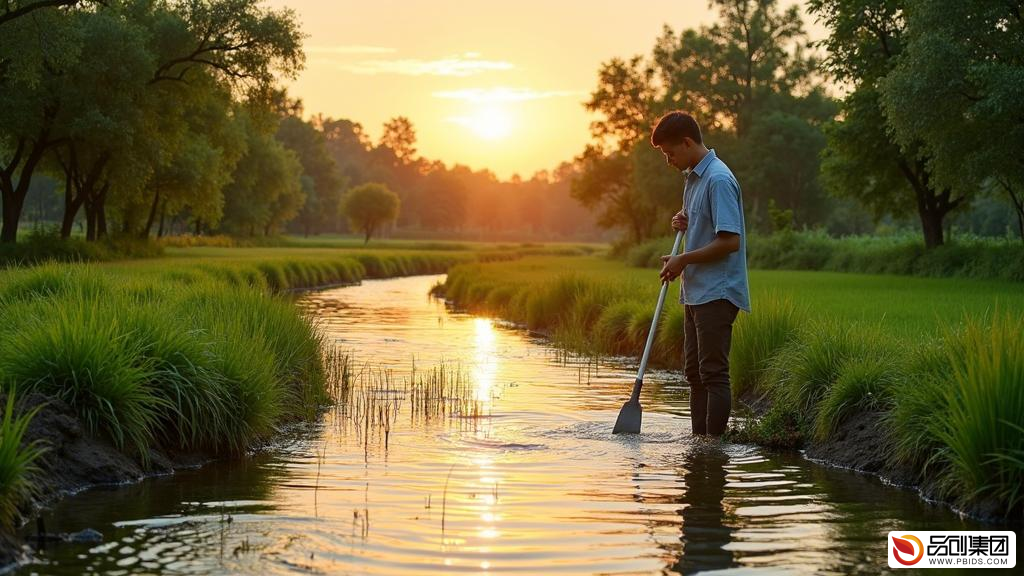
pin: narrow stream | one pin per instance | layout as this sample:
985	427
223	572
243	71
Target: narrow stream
520	474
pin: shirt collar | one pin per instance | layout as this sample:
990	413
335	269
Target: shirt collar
704	162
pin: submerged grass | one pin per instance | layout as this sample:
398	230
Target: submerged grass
820	349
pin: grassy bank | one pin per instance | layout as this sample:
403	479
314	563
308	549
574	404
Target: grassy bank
199	349
961	257
940	360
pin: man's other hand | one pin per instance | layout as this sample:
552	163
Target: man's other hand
671	267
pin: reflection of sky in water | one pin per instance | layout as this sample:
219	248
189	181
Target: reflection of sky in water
533	484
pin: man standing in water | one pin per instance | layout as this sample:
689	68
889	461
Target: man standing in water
713	265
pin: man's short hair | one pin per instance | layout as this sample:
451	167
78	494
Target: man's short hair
673	127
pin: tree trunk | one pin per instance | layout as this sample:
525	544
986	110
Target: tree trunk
11	214
1018	205
101	212
152	215
90	221
932	206
931	225
68	220
14	196
199	226
163	212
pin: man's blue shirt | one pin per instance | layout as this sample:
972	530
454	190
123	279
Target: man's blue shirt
713	204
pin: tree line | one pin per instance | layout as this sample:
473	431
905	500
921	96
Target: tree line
932	117
155	116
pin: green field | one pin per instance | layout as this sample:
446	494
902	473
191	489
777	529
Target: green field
908	307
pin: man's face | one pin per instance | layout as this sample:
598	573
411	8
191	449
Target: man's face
677	155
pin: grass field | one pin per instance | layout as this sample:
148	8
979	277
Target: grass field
903	306
941	359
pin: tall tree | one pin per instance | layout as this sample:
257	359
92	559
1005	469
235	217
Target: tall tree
324	189
625	99
266	188
865	44
729	71
34	49
958	90
604	183
399	137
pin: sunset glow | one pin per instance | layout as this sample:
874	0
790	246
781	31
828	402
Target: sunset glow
489	123
497	86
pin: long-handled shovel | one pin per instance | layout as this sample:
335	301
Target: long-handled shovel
631	414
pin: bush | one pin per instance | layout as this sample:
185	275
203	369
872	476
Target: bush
756	338
81	350
966	256
983	428
42	245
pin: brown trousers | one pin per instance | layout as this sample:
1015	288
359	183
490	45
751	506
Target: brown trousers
708	333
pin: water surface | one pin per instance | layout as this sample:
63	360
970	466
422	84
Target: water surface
515	471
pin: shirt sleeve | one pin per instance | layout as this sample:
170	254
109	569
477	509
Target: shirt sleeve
726	214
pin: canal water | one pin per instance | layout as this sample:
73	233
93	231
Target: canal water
468	446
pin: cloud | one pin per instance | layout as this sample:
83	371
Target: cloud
463	65
503	94
351	49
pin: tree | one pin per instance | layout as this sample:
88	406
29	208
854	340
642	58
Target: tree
96	128
324	192
33	50
728	73
13	9
862	159
240	41
957	90
442	201
369	206
400	137
625	98
736	77
784	158
80	90
604	183
266	188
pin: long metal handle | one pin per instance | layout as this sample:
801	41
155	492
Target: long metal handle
654	321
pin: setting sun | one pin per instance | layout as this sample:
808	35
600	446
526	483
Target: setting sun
487	122
491	123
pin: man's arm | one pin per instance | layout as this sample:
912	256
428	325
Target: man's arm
725	243
727	218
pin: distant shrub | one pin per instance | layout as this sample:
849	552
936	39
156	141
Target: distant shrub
42	245
965	256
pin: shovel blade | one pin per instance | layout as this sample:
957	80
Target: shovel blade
629	418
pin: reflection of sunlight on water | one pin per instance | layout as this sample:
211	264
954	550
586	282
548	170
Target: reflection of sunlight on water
485	363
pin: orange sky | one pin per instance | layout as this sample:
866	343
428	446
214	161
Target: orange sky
496	85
